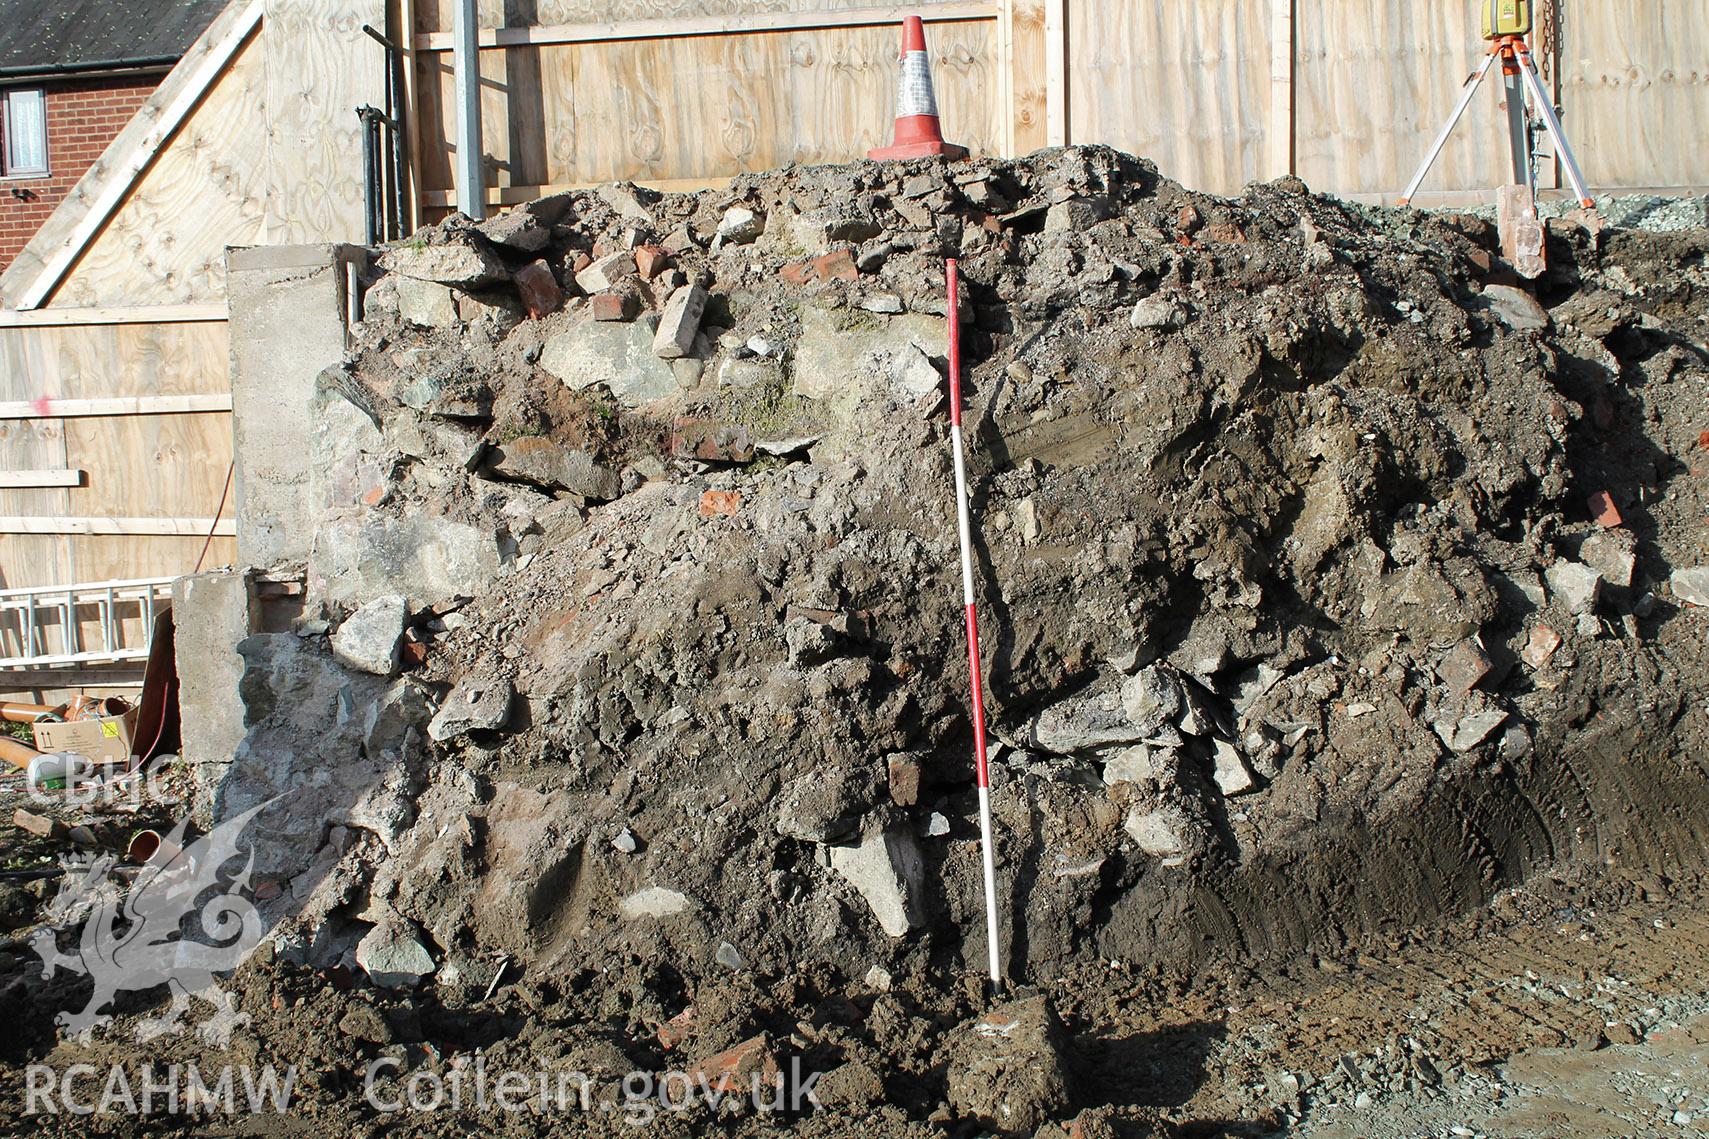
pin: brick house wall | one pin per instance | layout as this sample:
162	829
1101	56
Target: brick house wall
83	115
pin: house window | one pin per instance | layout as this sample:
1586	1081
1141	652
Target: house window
23	117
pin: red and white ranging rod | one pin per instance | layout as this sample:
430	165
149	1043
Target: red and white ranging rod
963	517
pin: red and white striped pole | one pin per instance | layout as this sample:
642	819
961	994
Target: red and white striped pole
980	766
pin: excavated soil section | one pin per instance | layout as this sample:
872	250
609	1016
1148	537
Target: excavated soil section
1337	585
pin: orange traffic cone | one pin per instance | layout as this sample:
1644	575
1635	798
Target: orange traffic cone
918	134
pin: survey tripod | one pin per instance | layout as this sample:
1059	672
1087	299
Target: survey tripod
1519	76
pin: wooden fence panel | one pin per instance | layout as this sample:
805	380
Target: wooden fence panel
1635	87
135	465
436	15
1375	80
701	108
320	66
1186	84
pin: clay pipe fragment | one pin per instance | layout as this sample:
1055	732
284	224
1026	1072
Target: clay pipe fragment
16	752
16	713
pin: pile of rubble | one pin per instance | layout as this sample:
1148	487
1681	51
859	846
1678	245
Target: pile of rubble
1333	580
1289	511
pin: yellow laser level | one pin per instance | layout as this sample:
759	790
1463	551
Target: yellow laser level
1506	18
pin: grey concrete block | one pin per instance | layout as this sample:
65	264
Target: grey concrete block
288	319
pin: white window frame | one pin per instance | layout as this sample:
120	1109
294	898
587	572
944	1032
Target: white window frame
7	169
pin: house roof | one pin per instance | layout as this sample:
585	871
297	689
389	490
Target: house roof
46	37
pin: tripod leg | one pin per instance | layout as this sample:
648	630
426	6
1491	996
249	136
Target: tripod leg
1518	128
1546	108
1453	120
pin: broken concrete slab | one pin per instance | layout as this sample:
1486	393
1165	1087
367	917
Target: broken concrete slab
841	354
606	272
1229	769
427	558
1691	585
1157	313
426	303
548	463
887	870
393	956
654	902
1466	732
818	229
911	373
1090	720
459	261
1575	585
740	225
1151	698
1136	764
618	356
368	638
477	704
680	323
1159	833
1613	554
521	230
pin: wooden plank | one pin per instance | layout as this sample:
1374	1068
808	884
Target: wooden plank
204	191
1635	89
1281	129
513	195
606	31
1006	76
136	314
107	361
1186	85
37	479
120	405
403	34
1026	115
180	527
168	466
57	244
1056	50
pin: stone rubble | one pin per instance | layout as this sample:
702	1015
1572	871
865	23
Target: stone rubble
1283	547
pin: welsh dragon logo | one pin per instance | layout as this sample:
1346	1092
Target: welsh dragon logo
143	938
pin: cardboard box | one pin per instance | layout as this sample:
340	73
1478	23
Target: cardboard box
103	739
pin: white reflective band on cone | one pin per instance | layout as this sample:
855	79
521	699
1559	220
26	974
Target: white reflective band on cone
914	94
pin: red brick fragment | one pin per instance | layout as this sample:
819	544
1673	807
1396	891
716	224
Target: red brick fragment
734	1069
904	773
539	288
651	260
838	265
613	306
720	502
1602	509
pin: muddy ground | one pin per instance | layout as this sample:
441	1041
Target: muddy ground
1345	641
